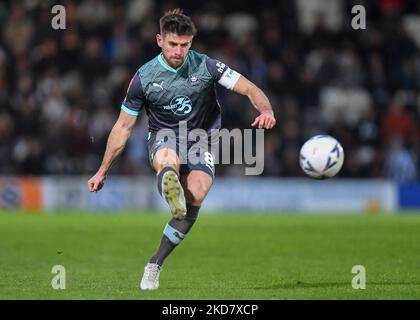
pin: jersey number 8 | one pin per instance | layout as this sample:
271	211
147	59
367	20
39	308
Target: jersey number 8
208	158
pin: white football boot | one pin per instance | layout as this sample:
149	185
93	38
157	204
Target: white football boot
150	280
174	194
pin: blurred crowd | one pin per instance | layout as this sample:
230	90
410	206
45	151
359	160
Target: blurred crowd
61	90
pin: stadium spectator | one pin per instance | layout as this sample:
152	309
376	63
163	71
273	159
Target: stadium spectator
400	163
398	123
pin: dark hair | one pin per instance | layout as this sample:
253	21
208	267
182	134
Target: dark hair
175	21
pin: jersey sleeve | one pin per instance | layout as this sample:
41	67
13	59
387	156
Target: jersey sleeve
134	100
222	74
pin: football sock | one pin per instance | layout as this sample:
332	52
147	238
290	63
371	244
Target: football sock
174	233
160	177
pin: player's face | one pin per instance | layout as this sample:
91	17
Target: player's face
174	48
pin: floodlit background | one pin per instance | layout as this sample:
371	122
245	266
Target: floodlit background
60	94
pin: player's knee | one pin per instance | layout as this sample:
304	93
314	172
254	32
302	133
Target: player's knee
165	158
197	193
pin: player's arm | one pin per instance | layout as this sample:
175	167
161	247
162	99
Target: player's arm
259	100
232	80
117	140
120	133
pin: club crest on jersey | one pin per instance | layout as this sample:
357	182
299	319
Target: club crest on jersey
193	80
180	105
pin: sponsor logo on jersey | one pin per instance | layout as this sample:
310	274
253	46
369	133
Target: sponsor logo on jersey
220	66
180	105
193	80
159	85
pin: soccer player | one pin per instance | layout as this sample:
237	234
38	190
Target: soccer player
177	85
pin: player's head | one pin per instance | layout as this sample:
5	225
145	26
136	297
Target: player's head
176	33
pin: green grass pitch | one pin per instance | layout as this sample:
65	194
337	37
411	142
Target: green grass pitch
225	256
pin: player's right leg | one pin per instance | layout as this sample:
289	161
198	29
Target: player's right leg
166	165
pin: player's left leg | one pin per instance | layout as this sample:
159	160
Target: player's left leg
196	185
196	180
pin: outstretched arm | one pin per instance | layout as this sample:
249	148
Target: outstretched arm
259	100
117	140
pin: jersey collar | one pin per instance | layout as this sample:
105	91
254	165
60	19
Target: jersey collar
168	67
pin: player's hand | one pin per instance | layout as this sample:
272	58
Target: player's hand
265	120
96	182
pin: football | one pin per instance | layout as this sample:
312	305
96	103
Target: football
321	157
